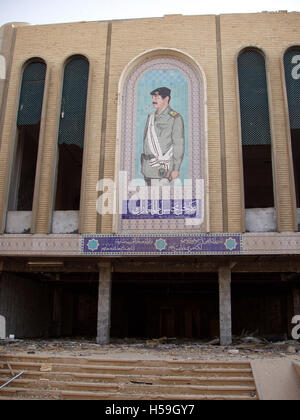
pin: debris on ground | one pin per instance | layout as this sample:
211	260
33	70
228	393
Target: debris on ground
234	351
243	347
46	367
157	341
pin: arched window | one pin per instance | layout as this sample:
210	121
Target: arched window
292	77
256	133
71	134
28	129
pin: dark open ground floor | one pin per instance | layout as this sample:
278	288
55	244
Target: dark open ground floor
153	303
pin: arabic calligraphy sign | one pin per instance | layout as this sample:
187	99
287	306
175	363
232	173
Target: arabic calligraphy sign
150	244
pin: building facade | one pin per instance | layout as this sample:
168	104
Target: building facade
89	245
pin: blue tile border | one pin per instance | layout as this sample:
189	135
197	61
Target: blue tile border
77	245
162	244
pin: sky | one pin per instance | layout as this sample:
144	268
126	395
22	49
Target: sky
38	12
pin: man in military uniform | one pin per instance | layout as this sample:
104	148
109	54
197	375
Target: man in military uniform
164	142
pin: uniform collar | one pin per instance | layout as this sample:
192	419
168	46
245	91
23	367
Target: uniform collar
164	111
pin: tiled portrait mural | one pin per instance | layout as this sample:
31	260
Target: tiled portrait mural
163	148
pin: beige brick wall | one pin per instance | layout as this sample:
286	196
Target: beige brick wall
273	33
55	44
194	36
7	38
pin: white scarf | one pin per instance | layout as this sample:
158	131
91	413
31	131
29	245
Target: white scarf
155	148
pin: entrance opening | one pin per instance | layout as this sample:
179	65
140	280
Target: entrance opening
262	304
75	307
153	305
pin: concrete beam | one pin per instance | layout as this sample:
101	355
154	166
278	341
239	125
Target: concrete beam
2	327
225	306
240	265
104	304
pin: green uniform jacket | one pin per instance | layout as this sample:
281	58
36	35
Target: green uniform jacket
169	127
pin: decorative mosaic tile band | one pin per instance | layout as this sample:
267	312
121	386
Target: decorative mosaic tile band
150	244
197	244
40	245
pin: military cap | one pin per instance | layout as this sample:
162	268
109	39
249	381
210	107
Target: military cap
162	91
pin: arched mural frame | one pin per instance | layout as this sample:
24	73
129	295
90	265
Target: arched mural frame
162	58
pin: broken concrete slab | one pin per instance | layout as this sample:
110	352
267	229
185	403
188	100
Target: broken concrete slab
261	220
65	221
297	368
18	222
276	380
46	367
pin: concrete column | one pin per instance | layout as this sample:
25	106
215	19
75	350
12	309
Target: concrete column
8	113
104	304
225	306
44	194
2	327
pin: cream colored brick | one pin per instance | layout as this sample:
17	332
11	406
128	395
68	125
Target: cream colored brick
273	33
55	44
195	36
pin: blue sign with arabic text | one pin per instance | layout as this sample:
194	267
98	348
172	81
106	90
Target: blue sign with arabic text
155	244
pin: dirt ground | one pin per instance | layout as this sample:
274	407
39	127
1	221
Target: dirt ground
246	348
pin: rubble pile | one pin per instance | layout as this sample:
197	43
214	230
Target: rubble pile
243	347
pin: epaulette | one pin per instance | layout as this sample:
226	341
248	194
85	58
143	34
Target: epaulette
174	114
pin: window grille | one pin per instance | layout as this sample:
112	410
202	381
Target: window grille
253	99
292	77
256	133
32	93
73	105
